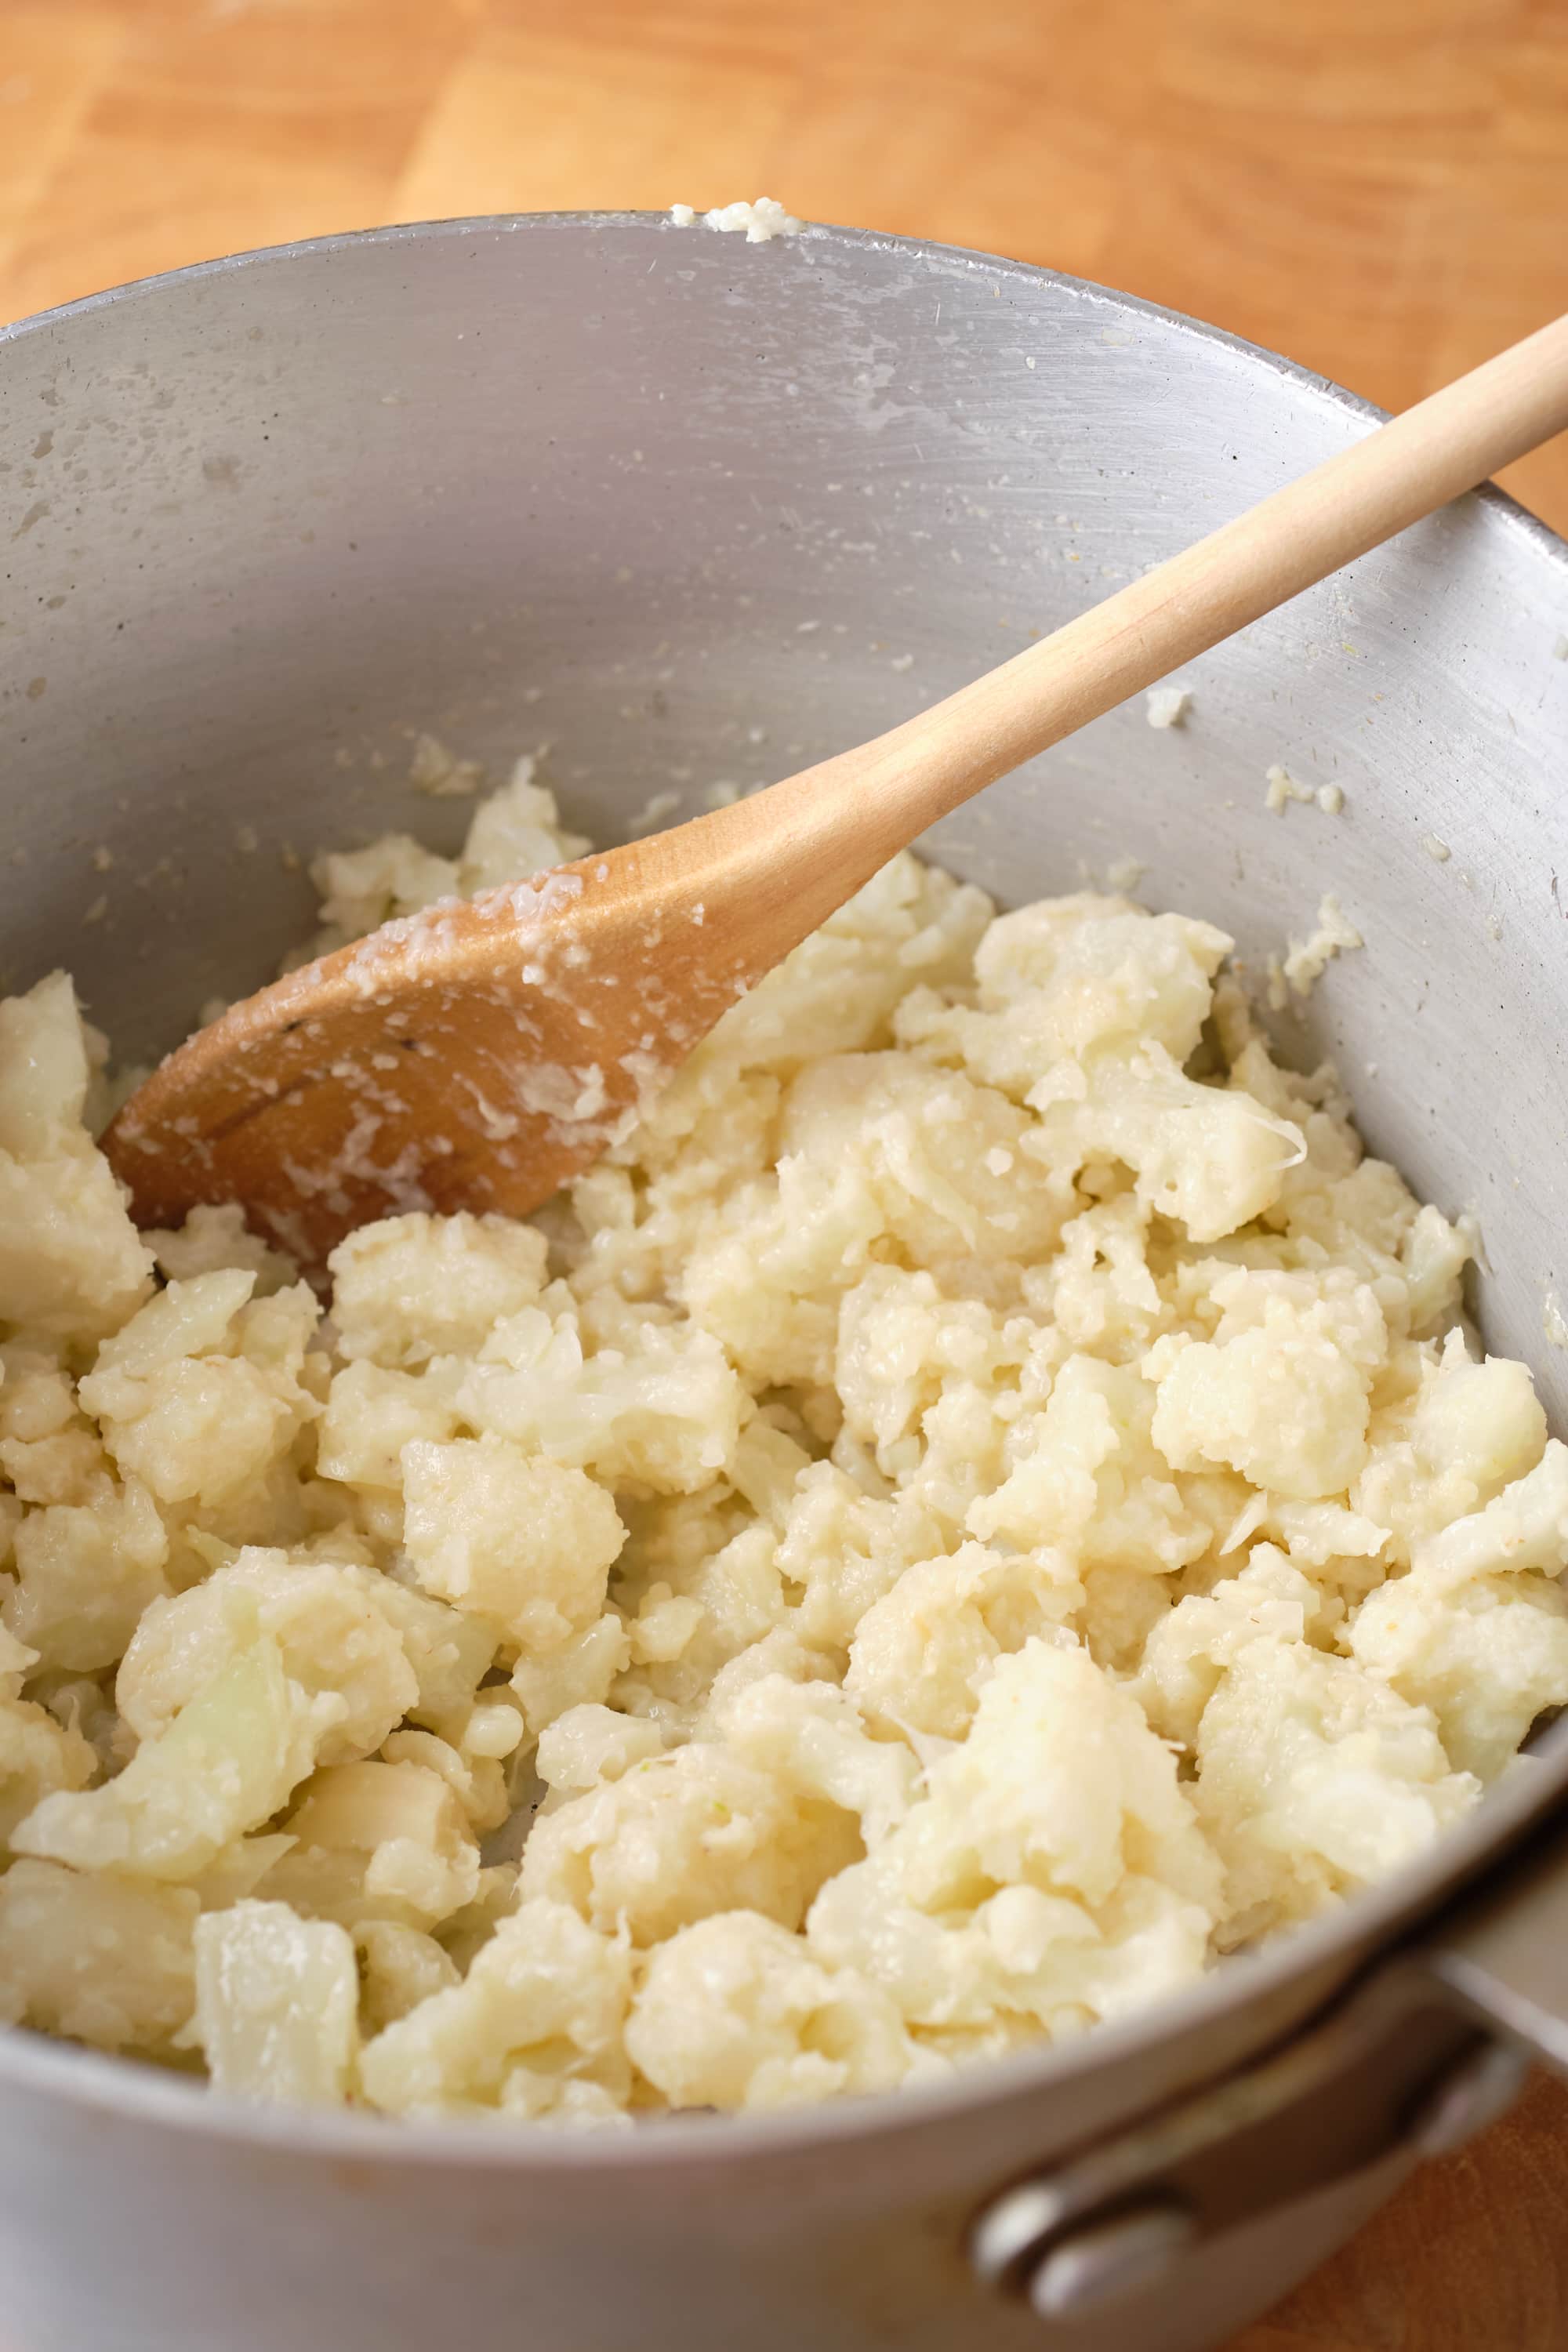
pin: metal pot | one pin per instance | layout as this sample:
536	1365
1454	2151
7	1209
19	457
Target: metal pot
687	509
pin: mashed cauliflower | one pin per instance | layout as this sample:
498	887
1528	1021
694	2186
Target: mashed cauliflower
985	1503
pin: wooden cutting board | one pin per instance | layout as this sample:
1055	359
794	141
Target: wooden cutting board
1375	186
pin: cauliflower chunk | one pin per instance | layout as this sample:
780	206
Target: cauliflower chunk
72	1264
666	1415
921	1653
1060	1784
399	1967
1281	1393
1091	1476
378	1841
536	2026
1478	1631
37	1756
1487	1660
1060	979
1054	1867
1315	1779
418	1287
97	1958
276	2008
684	1835
86	1574
334	1635
736	2012
225	1765
201	1391
928	1147
527	1544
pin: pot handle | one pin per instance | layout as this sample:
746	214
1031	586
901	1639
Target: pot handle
1501	1954
1429	2046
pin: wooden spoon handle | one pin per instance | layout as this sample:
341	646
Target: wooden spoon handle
904	781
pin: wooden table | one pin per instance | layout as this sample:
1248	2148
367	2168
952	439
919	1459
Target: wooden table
1375	186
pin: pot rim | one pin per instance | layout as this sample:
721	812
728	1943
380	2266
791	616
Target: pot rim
132	2089
867	240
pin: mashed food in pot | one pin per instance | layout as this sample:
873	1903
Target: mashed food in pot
983	1503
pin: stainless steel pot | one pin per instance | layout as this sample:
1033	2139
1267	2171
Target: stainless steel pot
687	509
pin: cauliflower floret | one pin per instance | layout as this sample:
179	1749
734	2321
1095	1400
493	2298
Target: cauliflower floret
581	1672
1211	1158
471	1757
1023	1963
1314	1778
526	1544
215	1239
1434	1456
44	1070
1435	1254
836	992
333	1632
921	1653
100	1960
449	1652
1282	1392
1089	1475
16	1663
781	1652
928	1145
535	2026
50	1452
225	1765
87	1573
585	1745
1054	1865
845	1549
515	832
1062	978
900	1344
371	1414
1487	1659
879	1155
417	1286
72	1264
668	1415
735	2011
682	1836
276	2004
363	888
1060	1784
399	1967
809	1738
377	1841
1525	1527
1477	1630
201	1391
37	1756
1191	1646
1099	1291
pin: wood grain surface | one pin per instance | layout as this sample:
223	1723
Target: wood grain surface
1375	186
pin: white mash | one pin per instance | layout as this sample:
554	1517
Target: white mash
985	1503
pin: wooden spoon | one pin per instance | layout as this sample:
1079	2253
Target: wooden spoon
476	1055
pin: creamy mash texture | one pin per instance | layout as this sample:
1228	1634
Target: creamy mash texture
985	1503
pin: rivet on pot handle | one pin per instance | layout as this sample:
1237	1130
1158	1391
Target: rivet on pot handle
1433	2044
